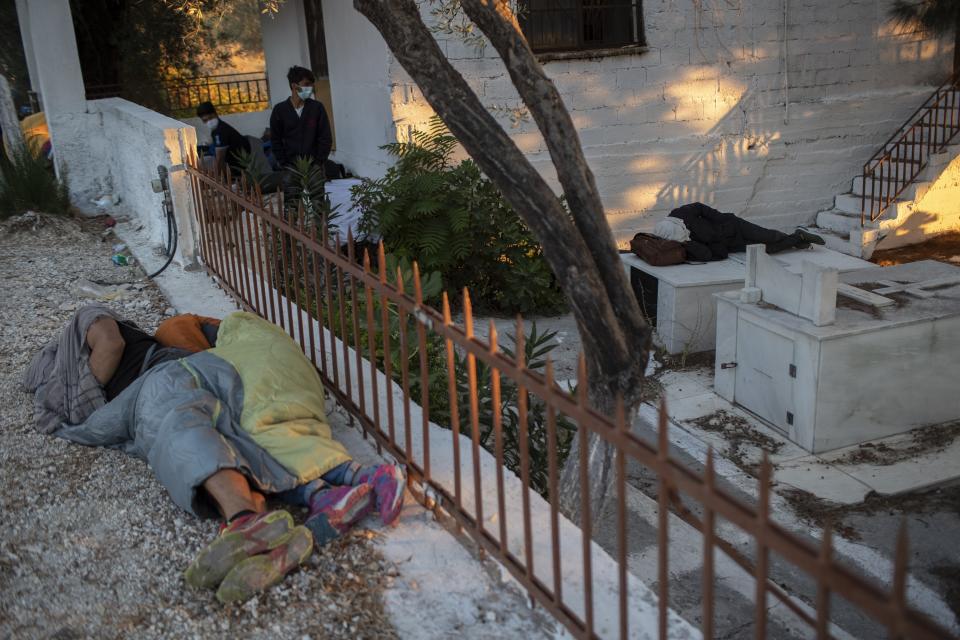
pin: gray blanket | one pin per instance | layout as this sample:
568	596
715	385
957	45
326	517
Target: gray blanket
183	418
66	390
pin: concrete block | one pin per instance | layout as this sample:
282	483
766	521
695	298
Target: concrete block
818	294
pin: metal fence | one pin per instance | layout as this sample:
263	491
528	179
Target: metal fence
900	160
369	332
228	92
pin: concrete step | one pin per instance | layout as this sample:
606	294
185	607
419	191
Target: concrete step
850	203
838	221
834	239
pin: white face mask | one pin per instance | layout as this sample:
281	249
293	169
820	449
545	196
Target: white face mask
212	123
304	92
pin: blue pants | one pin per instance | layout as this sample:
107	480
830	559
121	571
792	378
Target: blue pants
347	473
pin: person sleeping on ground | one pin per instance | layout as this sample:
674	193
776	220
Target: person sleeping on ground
708	234
224	430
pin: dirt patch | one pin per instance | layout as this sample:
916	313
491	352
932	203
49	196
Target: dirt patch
923	440
824	512
945	248
844	302
683	361
949	576
738	433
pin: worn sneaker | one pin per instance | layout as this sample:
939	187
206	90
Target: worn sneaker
333	511
389	483
258	573
244	537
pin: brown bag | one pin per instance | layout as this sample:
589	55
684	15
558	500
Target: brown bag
657	252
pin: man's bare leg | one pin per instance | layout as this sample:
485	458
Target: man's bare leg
231	492
106	348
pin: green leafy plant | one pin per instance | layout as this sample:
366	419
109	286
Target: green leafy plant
27	182
306	188
450	218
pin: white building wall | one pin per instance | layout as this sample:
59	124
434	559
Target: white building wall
359	64
712	110
285	44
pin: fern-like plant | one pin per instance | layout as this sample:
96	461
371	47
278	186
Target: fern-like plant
450	218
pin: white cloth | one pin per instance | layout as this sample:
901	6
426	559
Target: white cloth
339	193
299	110
672	229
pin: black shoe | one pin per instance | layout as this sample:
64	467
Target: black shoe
808	237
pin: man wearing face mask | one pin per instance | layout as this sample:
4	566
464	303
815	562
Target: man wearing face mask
299	126
227	141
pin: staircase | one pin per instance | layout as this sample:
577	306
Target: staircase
883	198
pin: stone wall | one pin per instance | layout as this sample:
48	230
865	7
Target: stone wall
726	105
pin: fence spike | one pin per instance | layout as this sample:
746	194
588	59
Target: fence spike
382	262
417	288
350	248
582	380
400	280
446	309
493	336
366	260
467	313
900	568
548	372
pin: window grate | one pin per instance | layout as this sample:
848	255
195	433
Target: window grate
581	25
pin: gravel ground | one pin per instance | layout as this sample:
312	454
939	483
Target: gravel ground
90	545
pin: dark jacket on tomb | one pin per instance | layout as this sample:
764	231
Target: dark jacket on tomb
713	234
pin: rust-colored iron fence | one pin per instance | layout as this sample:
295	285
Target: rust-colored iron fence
900	160
495	473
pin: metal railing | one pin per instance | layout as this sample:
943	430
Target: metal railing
905	154
351	318
227	92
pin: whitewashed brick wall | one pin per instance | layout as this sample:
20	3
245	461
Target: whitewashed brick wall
703	113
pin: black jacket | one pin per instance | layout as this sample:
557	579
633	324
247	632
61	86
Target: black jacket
235	142
307	135
713	234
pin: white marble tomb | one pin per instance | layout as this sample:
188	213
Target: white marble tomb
684	298
830	371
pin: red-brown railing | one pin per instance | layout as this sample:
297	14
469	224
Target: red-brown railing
905	154
285	266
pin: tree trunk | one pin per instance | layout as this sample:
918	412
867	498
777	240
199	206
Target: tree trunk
12	135
956	47
578	246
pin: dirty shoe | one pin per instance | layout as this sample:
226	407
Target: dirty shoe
244	537
258	573
333	511
389	483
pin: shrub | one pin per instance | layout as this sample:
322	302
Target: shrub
27	183
453	220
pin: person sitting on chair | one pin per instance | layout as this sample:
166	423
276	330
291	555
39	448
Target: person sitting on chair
708	234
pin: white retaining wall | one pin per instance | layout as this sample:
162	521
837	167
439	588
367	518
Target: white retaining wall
712	110
127	147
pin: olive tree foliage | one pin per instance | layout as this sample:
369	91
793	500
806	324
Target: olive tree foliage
577	240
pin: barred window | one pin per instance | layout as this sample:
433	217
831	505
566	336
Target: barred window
581	25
